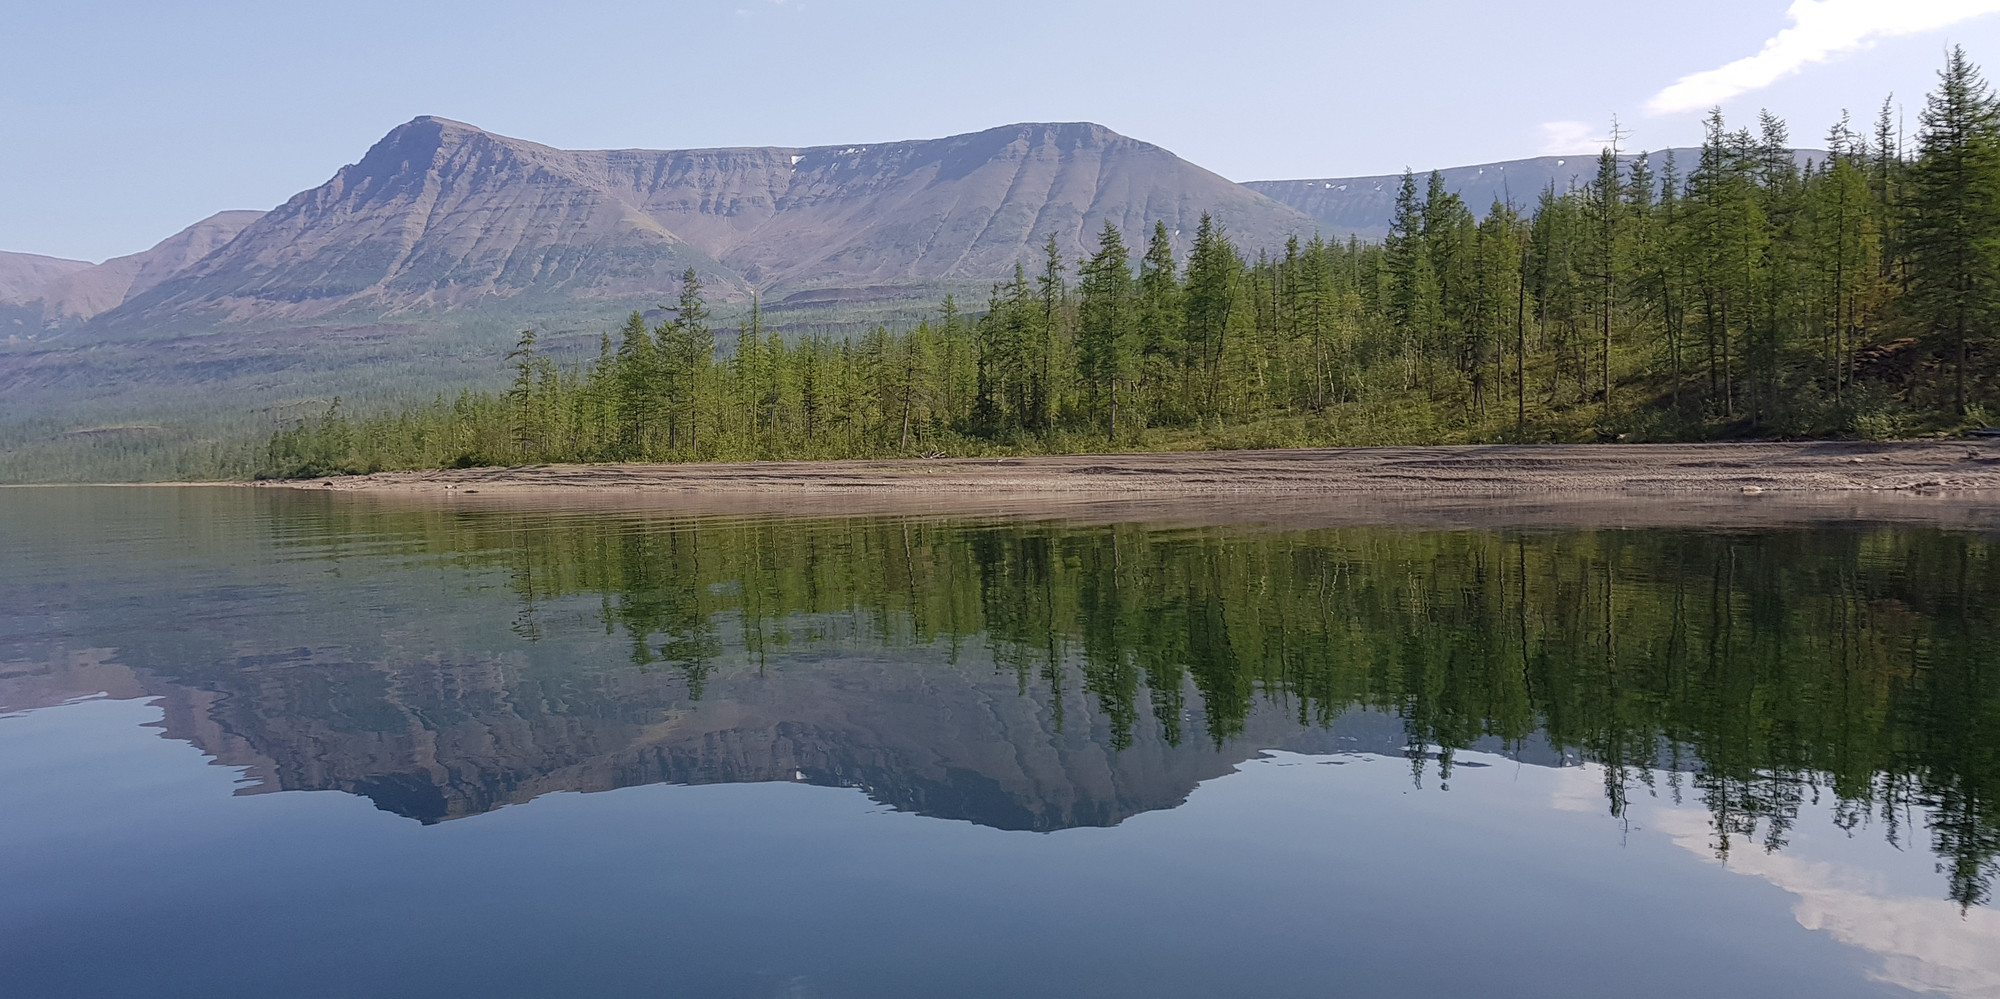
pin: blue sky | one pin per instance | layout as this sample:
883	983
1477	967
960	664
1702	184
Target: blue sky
126	121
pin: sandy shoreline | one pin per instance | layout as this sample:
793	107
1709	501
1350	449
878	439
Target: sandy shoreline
1487	470
1953	484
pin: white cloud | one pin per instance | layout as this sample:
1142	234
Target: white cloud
1571	138
1820	30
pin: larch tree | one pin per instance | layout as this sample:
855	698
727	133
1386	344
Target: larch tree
1105	314
1953	220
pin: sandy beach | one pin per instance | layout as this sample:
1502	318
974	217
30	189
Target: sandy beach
1956	483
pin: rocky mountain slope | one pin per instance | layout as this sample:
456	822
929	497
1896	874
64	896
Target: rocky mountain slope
24	275
440	215
23	278
37	291
110	284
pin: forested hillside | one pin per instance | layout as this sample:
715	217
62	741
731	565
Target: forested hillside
1752	296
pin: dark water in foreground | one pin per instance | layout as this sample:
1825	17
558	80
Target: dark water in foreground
919	756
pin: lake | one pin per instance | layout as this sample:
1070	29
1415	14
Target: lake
279	743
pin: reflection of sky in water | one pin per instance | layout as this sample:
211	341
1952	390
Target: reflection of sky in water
1926	944
1294	874
1857	889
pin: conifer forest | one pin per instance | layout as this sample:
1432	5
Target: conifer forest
1748	290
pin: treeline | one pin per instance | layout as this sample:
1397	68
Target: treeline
1745	293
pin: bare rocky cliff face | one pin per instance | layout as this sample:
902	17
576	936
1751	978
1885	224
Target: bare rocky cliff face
442	216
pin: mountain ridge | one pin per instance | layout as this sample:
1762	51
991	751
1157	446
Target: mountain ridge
78	290
1363	206
441	215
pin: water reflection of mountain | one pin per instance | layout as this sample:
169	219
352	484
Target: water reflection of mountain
1038	675
446	741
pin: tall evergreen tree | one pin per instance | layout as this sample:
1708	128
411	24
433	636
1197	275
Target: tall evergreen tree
686	348
1408	269
1048	338
1953	235
1159	320
637	388
1604	199
1105	314
1208	301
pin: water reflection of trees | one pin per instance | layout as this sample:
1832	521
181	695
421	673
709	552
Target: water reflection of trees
1755	671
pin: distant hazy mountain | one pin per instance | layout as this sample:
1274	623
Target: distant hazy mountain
23	278
41	290
109	284
24	275
1363	206
441	215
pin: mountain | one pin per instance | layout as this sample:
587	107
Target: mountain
1363	206
87	293
23	279
47	290
24	275
440	215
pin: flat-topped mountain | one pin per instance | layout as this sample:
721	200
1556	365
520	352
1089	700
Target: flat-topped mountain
441	215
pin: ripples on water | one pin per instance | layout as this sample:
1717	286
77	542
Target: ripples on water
1272	761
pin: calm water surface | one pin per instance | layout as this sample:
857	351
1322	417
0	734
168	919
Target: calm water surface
612	754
